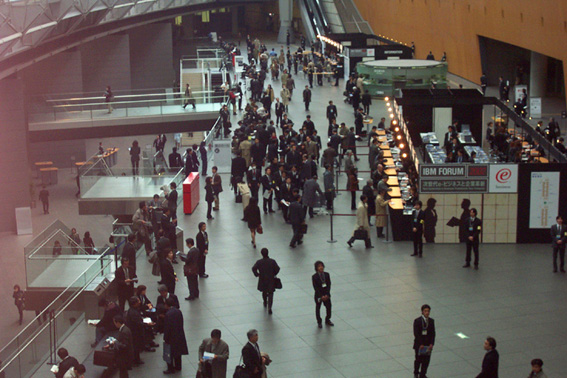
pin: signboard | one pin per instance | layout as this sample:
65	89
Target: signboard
535	107
358	53
24	221
222	156
519	92
453	178
544	199
503	178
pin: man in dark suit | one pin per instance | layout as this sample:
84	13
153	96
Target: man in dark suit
135	323
237	170
253	177
473	229
191	269
331	112
266	269
279	110
307	97
423	341
123	347
203	246
502	89
286	194
129	252
558	239
168	276
296	217
174	336
175	161
251	356
418	219
125	278
67	362
490	360
322	284
160	305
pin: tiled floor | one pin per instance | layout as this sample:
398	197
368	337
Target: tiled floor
376	293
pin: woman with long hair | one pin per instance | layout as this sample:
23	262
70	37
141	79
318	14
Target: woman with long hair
252	217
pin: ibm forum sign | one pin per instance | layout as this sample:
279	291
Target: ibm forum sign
468	178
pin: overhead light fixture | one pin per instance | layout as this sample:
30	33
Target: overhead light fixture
387	104
397	129
391	115
401	146
395	122
399	137
404	155
387	98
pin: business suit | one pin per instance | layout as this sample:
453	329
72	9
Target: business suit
558	233
172	203
310	188
322	286
129	252
252	360
266	270
418	219
65	365
124	289
135	323
237	170
174	336
424	335
296	217
168	275
191	271
490	365
253	177
473	228
203	246
124	350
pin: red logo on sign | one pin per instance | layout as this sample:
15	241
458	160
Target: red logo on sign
503	175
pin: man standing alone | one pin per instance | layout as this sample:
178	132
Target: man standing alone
424	338
558	240
191	269
266	270
490	360
307	97
44	198
322	285
473	227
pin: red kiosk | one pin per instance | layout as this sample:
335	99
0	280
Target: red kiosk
191	193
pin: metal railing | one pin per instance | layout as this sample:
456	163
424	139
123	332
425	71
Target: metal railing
38	341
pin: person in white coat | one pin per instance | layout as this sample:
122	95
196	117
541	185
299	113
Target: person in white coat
362	225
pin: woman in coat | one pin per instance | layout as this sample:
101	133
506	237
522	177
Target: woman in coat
209	196
135	157
361	222
285	95
430	221
381	213
352	186
253	218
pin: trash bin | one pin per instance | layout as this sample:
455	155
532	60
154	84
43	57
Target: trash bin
190	193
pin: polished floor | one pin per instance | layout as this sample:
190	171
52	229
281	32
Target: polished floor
376	293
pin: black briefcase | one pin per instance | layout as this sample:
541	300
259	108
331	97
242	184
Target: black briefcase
360	234
278	283
303	228
104	358
238	198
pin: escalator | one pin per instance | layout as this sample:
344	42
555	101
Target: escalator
314	20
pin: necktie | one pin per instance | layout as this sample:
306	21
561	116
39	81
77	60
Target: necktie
126	273
257	349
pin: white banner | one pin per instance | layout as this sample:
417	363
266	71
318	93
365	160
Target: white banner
222	156
544	199
535	107
24	221
503	178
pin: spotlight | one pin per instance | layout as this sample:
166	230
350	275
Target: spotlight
397	129
391	115
404	155
388	104
395	122
401	146
387	98
399	137
390	110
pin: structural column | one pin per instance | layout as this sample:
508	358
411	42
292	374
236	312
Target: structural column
286	16
538	74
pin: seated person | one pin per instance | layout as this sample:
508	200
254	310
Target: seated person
146	306
106	324
76	372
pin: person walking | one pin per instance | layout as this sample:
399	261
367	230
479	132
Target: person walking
321	281
268	189
266	269
44	198
108	97
352	185
286	97
279	109
366	102
252	217
491	359
473	228
296	216
362	224
74	241
558	239
203	246
19	301
423	341
209	196
307	97
310	190
188	97
191	269
213	367
329	186
418	219
174	341
135	157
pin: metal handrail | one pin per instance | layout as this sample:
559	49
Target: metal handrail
124	96
121	102
20	349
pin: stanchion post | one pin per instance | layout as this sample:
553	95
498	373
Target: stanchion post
332	240
387	238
